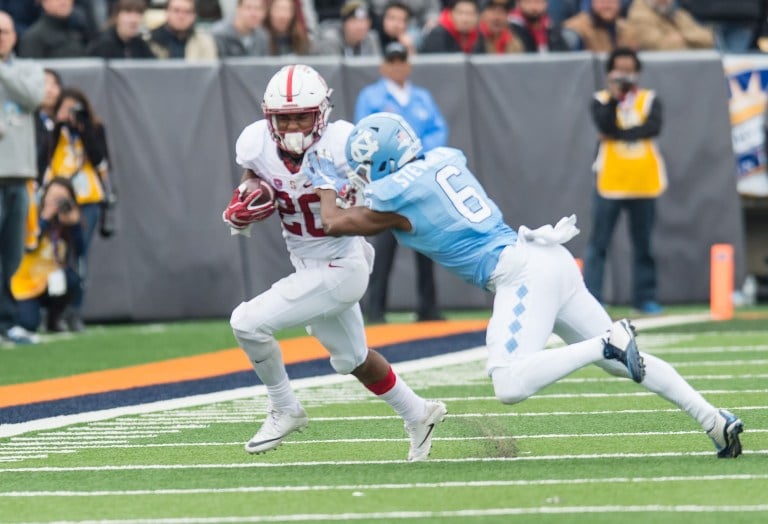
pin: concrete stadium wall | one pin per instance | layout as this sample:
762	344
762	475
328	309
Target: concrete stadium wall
523	121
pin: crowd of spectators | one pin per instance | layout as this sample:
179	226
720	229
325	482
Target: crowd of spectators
209	29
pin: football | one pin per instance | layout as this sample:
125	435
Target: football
256	184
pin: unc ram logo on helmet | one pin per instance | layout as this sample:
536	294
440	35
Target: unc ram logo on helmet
380	144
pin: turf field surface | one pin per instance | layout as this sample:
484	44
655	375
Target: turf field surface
590	448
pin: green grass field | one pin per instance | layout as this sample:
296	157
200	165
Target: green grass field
590	448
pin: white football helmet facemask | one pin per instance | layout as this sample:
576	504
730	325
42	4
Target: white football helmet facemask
297	89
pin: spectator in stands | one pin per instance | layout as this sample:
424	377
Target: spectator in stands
394	93
397	25
328	9
661	25
56	34
630	176
353	36
208	12
456	31
561	10
585	5
81	154
122	38
23	14
288	34
735	23
244	33
47	276
21	92
532	25
178	38
423	13
600	29
45	121
494	27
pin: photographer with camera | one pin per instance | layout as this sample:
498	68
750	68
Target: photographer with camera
47	276
80	154
630	175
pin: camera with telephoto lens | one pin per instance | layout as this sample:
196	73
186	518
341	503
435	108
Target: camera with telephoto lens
64	205
625	83
79	114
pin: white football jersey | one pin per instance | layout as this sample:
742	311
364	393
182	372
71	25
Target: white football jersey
298	205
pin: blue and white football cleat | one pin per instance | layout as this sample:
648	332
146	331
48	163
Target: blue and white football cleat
725	434
621	346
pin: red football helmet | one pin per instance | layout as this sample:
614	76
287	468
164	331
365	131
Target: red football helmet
297	89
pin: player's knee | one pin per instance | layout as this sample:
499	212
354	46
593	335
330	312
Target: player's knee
346	364
243	320
508	387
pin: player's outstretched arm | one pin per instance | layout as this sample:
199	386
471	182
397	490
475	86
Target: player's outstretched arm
355	220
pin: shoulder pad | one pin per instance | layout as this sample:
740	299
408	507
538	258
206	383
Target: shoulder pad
251	142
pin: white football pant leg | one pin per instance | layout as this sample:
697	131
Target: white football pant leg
583	317
532	283
315	291
343	335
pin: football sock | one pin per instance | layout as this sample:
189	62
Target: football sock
665	381
283	398
394	391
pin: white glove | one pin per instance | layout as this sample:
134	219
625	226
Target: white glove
547	235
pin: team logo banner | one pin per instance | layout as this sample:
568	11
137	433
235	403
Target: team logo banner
747	79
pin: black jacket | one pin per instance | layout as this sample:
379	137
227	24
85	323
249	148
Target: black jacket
51	37
555	40
109	45
604	116
439	40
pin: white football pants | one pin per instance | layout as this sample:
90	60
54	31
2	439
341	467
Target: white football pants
322	295
539	289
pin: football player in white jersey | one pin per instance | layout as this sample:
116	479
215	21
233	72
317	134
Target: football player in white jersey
435	205
331	273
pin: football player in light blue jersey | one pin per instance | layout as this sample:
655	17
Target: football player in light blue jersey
435	205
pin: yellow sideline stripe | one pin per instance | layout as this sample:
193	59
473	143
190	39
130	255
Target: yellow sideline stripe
212	364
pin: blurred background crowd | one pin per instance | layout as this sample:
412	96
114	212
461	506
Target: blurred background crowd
207	29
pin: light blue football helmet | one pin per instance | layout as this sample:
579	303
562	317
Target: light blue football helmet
380	144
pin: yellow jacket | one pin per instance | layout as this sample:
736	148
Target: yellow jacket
630	169
31	279
70	161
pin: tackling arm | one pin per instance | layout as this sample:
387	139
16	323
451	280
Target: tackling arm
355	220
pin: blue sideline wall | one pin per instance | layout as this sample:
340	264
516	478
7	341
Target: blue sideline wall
523	122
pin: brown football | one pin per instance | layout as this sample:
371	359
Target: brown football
254	184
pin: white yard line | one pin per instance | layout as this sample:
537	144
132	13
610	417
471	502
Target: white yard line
373	487
411	515
326	463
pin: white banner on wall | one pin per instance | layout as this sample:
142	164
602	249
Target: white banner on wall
747	79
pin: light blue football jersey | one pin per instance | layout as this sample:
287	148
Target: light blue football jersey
454	222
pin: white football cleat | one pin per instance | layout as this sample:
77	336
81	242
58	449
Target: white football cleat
621	346
725	434
421	432
277	426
